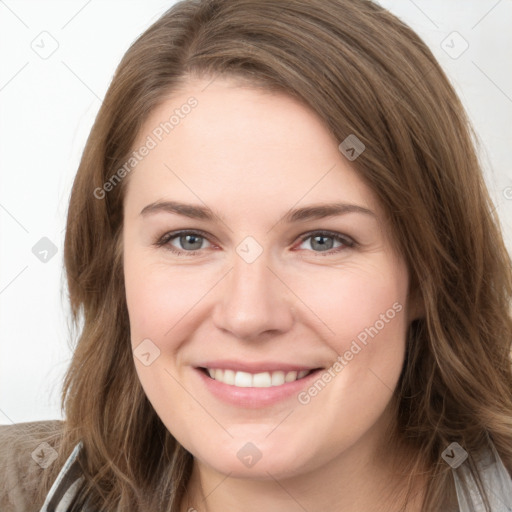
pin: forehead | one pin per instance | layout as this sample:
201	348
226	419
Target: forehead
242	143
224	111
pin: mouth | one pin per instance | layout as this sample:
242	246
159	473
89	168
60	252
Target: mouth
243	379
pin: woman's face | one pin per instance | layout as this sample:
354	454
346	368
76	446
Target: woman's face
253	249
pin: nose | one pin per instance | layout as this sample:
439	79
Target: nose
254	301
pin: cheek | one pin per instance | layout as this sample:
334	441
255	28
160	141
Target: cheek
370	309
157	297
363	312
355	301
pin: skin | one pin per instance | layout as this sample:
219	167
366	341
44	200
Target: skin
251	156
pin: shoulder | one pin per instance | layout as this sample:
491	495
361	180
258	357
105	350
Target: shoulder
26	449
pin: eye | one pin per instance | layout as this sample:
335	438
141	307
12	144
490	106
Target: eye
190	243
323	242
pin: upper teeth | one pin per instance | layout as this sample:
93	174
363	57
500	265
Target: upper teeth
257	380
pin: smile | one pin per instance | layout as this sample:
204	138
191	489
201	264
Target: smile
255	380
248	385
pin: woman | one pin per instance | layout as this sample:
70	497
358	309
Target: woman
338	334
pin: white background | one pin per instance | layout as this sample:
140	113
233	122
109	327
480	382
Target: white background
48	105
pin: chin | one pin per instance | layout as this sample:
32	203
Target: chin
243	459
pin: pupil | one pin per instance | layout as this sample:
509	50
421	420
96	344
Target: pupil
322	245
190	239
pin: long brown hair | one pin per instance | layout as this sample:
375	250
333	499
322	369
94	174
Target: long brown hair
364	72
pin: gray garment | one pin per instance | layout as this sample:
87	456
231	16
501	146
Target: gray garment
65	488
495	479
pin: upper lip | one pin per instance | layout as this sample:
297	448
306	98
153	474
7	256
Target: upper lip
255	367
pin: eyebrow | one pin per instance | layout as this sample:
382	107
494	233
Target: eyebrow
312	212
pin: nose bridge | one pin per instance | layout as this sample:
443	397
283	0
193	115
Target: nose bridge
253	299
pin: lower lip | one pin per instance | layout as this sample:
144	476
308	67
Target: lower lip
254	398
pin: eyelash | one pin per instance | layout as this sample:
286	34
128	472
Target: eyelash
164	240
